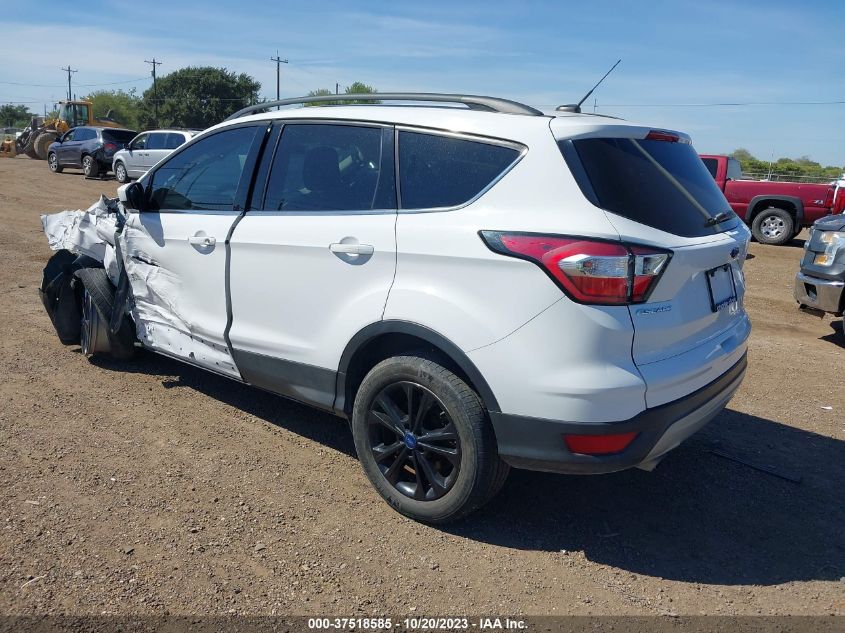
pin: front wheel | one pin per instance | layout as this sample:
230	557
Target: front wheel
90	167
424	440
773	226
53	162
120	173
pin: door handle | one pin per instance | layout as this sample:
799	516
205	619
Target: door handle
351	249
202	240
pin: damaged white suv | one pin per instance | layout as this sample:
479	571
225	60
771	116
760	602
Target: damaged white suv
474	287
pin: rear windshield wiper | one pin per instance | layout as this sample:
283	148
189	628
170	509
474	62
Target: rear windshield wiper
717	219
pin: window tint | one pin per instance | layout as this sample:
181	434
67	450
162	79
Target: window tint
118	136
157	140
204	176
712	165
85	134
629	178
323	167
734	169
140	142
174	140
440	171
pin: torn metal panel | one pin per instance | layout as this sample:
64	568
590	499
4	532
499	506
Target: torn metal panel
155	290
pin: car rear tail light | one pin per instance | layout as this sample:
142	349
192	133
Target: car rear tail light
587	270
658	135
599	444
110	147
828	199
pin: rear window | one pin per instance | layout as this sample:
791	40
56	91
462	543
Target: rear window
712	165
442	171
118	136
660	184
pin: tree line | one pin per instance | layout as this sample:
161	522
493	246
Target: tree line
192	97
785	168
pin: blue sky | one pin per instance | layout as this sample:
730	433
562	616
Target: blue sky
541	53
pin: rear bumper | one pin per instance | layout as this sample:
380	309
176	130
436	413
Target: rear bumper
538	444
821	294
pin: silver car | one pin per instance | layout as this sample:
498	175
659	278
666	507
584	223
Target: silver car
145	150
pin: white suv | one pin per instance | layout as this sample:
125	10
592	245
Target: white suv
472	287
145	150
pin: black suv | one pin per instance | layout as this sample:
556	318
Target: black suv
88	148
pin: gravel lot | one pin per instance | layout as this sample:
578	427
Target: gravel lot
152	487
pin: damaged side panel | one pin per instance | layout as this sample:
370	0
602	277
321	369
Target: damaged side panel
167	285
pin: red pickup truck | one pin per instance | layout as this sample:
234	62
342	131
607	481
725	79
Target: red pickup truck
776	211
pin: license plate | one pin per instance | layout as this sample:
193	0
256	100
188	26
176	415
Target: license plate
722	287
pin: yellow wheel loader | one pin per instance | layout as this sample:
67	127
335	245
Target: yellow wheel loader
37	137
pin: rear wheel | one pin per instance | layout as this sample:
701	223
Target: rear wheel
90	167
53	161
424	440
120	172
773	226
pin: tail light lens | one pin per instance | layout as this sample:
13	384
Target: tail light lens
599	444
828	199
110	147
587	270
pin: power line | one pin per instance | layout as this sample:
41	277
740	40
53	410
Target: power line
70	71
108	83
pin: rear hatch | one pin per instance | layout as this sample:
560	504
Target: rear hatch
656	191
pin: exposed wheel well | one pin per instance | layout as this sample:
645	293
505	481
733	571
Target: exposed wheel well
762	205
386	345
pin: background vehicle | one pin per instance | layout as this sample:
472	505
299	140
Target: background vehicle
88	148
358	259
36	139
145	150
775	211
820	283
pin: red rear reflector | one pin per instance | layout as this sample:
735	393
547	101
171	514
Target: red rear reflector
588	270
599	444
657	135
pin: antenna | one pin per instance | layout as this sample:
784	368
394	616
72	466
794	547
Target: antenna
576	107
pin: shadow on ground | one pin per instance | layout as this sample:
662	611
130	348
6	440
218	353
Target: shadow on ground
700	517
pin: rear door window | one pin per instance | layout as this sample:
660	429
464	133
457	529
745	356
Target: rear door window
712	165
157	140
85	134
734	169
332	167
438	171
661	184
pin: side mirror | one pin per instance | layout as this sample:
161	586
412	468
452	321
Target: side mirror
132	196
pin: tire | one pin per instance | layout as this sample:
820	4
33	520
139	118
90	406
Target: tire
53	162
120	172
436	467
90	167
773	226
43	142
97	303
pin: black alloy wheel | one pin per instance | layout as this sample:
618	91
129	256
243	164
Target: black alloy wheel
414	441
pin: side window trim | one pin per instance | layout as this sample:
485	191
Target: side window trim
264	170
489	140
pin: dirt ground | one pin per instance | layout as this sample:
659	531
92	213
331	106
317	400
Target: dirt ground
153	487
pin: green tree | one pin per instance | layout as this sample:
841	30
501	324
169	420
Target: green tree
14	115
197	97
124	106
358	87
802	168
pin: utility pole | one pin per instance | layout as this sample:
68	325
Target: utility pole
69	71
279	61
155	91
336	88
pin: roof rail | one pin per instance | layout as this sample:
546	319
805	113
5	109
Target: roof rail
473	102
